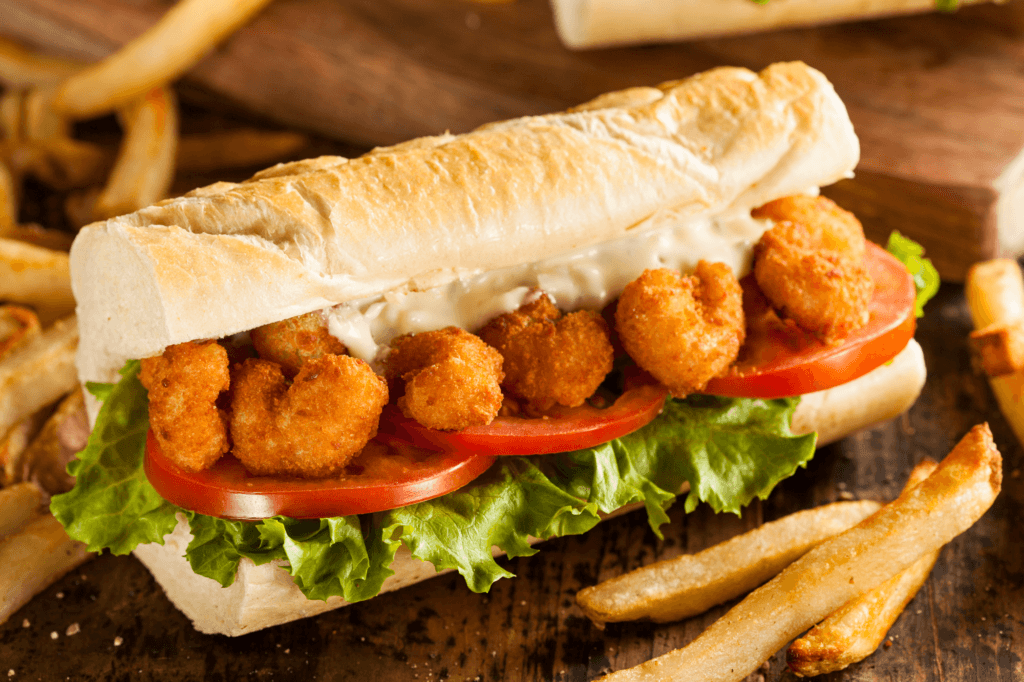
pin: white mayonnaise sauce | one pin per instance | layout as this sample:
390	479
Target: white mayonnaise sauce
585	279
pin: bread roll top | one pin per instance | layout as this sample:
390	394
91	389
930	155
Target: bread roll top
304	236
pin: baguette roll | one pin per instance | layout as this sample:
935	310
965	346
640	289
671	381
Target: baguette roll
587	24
306	236
263	596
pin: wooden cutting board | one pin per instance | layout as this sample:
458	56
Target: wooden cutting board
938	100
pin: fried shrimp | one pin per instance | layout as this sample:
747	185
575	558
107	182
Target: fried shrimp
310	428
452	378
293	342
683	330
550	358
810	266
183	386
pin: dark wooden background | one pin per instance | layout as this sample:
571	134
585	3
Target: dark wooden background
967	623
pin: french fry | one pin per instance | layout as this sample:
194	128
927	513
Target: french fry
18	505
239	148
8	201
995	296
995	292
160	55
693	583
38	373
18	326
144	168
919	521
998	349
61	162
45	460
858	628
16	441
23	68
37	277
33	559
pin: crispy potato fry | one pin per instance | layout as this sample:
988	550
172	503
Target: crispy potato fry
38	373
31	233
18	505
61	163
920	521
33	559
856	630
37	277
144	168
995	296
16	441
995	292
23	68
8	201
693	583
160	55
239	148
18	326
998	349
46	459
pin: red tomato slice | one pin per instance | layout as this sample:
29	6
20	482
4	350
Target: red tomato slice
564	429
381	477
783	362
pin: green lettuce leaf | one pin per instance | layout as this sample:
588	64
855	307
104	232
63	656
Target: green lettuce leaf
112	505
730	450
926	277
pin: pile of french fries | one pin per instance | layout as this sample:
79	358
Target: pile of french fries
995	296
42	415
848	569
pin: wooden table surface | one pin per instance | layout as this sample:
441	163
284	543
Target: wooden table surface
967	623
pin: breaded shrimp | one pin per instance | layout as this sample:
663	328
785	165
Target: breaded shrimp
839	230
183	386
293	342
549	358
810	266
683	330
452	378
311	428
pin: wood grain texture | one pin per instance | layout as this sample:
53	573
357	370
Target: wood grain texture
966	624
938	100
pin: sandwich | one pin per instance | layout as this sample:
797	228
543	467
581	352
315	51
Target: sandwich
587	24
343	376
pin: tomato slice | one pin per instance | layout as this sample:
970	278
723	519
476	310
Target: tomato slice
779	362
381	477
563	429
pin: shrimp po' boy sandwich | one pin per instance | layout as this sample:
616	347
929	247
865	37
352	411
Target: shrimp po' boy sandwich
344	375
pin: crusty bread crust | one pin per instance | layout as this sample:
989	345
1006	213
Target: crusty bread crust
584	24
305	236
263	596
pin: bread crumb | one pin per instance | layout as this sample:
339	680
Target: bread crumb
73	629
54	635
60	595
118	641
888	643
845	495
10	673
26	624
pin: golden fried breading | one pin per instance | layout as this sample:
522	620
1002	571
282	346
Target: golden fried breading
311	428
683	330
549	359
293	342
826	293
183	386
810	266
836	229
452	378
